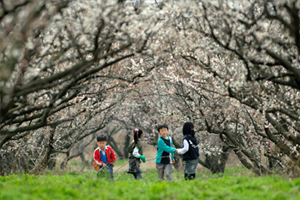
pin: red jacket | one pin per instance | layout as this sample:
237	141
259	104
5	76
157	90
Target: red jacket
110	154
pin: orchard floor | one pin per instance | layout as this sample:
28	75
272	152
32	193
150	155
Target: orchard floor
150	153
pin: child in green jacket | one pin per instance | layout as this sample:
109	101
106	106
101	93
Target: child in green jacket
165	153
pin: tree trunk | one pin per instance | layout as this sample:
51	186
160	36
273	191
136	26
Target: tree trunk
65	161
178	158
224	157
42	165
126	144
83	160
115	147
216	163
52	161
2	165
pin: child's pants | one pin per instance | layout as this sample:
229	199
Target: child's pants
134	168
190	169
137	176
190	166
104	171
162	169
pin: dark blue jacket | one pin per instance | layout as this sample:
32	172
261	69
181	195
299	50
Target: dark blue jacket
193	152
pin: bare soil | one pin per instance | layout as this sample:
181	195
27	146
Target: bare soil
149	153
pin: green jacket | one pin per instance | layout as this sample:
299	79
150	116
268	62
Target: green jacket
131	147
163	150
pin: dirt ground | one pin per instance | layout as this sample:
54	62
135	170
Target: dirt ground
150	153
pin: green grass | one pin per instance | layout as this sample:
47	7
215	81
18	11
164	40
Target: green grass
236	183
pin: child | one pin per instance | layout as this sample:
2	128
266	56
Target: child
165	153
190	151
135	151
104	157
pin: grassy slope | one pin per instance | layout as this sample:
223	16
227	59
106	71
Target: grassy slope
235	184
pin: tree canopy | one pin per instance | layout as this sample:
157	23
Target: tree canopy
70	68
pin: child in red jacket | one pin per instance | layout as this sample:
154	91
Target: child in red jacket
104	157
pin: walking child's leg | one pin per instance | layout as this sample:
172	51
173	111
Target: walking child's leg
186	170
160	171
185	176
190	168
134	174
111	172
192	176
168	169
138	176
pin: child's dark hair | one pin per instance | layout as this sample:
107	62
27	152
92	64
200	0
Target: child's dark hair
160	126
101	138
137	134
188	129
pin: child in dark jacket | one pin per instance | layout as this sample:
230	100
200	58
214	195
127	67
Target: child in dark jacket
190	151
104	158
135	150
